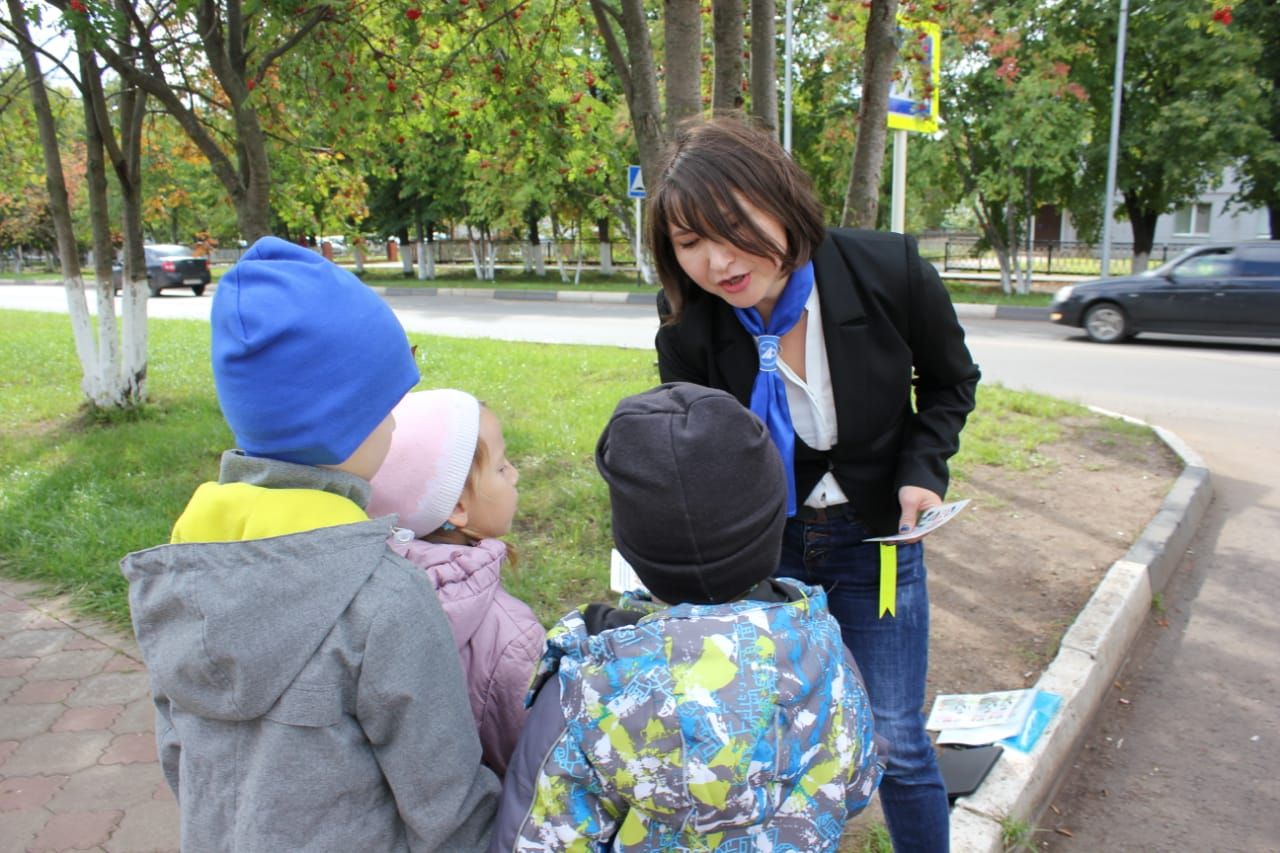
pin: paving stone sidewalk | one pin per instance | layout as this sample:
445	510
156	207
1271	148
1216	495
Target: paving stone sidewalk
78	768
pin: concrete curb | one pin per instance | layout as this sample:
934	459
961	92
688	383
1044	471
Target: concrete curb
1021	785
963	309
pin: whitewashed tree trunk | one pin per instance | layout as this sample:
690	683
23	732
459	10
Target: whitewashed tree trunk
577	272
422	260
357	252
102	380
406	259
477	257
606	259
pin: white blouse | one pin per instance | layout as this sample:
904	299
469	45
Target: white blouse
813	404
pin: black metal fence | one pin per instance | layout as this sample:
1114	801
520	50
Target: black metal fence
962	254
461	252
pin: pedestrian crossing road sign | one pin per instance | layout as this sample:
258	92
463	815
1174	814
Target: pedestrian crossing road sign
635	182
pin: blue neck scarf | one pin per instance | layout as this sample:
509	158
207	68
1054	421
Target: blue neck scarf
769	393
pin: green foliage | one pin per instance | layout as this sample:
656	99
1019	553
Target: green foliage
25	219
1260	170
1191	99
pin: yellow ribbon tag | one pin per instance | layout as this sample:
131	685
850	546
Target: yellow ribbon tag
888	578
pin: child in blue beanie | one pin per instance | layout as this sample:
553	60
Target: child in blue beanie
308	694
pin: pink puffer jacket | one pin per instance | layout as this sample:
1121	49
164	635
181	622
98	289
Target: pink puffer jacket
499	638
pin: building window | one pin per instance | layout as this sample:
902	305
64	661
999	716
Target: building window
1192	220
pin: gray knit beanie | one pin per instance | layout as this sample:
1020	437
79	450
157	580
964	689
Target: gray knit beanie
698	493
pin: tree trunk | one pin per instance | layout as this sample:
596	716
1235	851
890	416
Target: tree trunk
101	373
432	251
406	253
537	261
683	62
126	159
56	186
422	251
862	200
1273	217
764	58
639	77
606	250
727	32
986	217
1143	223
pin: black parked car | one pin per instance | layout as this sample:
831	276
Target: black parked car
1217	289
171	265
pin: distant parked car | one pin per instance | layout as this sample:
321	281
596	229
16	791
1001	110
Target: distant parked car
1216	289
171	265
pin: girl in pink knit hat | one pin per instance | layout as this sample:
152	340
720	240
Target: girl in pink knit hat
448	479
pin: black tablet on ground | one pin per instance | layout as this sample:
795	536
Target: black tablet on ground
964	768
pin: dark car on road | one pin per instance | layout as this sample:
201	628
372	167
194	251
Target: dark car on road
1217	289
171	265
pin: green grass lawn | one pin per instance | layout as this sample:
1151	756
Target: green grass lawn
78	492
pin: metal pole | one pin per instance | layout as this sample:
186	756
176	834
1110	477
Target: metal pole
786	80
1113	145
898	210
639	277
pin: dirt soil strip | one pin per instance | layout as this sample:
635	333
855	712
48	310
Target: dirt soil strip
1018	569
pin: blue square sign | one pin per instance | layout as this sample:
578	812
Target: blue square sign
635	182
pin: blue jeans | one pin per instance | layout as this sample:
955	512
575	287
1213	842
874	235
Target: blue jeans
893	654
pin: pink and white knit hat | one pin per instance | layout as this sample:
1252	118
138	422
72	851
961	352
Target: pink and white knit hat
432	449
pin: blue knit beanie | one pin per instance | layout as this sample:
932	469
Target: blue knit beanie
307	360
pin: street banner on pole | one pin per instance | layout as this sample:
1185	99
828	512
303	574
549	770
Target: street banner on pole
913	94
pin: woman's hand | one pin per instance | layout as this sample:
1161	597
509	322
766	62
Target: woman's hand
914	500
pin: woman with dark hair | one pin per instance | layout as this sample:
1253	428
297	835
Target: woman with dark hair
824	333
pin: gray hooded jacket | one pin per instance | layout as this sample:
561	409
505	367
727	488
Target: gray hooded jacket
308	692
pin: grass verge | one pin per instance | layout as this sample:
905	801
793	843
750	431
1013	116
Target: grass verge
77	493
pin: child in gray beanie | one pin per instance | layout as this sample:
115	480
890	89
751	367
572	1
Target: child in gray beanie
722	711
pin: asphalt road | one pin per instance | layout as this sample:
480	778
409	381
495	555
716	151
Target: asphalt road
1184	752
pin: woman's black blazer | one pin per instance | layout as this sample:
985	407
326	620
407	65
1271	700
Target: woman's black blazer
889	325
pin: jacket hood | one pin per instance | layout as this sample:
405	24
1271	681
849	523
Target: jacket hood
227	623
706	717
466	578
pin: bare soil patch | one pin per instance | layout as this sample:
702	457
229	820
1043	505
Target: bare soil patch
1008	576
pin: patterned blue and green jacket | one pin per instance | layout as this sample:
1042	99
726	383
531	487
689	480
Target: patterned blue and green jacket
730	728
